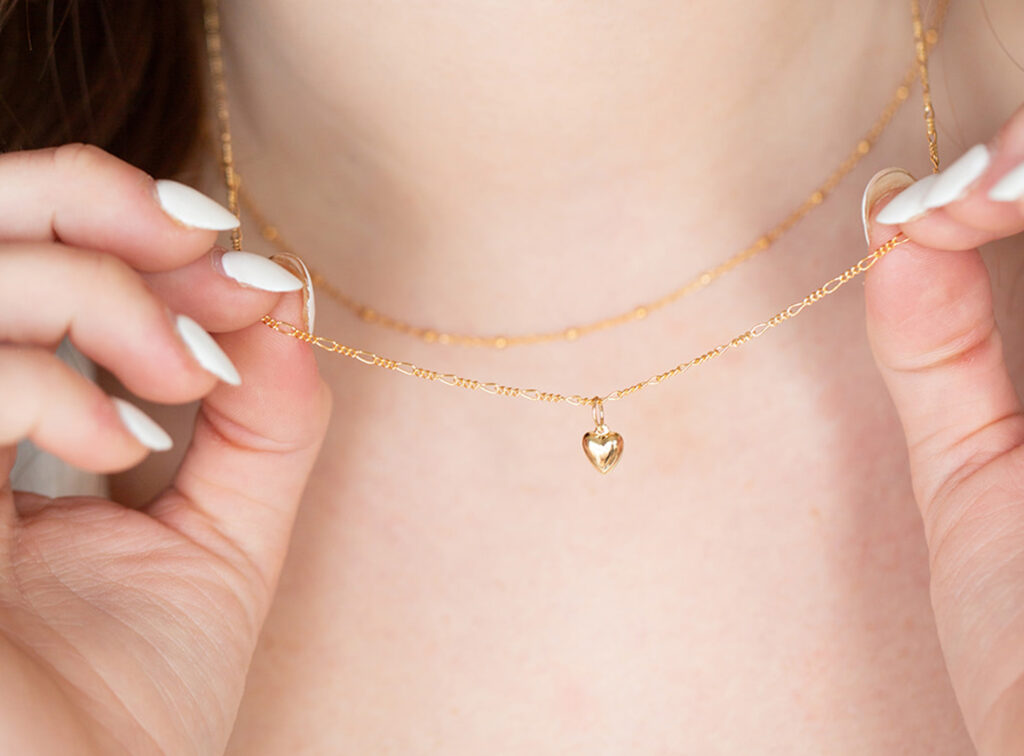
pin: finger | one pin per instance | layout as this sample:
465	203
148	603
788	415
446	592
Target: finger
239	485
933	333
85	197
49	290
934	336
224	291
62	412
976	199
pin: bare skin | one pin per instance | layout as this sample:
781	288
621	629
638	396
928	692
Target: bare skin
753	577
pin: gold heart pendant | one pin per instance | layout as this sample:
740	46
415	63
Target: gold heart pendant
602	447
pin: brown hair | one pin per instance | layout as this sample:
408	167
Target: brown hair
122	74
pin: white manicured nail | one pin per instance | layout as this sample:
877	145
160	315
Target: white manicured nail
295	264
258	272
884	182
908	204
193	208
142	426
954	182
1010	187
206	351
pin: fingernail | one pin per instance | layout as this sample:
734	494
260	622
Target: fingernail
908	205
258	272
1010	187
206	351
142	426
885	182
954	182
192	208
298	267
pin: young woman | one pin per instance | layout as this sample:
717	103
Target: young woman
752	577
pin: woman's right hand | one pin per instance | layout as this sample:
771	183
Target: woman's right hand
125	630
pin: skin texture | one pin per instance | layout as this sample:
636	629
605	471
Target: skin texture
129	630
754	577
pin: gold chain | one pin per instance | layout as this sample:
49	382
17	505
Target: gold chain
765	241
922	41
488	387
602	446
369	314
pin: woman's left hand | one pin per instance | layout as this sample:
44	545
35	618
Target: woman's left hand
934	336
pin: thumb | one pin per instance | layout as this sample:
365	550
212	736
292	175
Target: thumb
933	333
238	487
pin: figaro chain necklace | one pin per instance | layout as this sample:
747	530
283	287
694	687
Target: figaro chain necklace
602	446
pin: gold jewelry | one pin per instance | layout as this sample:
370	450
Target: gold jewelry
602	447
922	41
600	434
430	335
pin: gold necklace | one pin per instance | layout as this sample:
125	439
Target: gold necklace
602	446
762	243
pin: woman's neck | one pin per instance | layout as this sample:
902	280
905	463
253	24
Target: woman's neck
437	155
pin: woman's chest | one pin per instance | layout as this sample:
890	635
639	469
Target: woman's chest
751	578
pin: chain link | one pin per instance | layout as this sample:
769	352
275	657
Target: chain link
535	395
